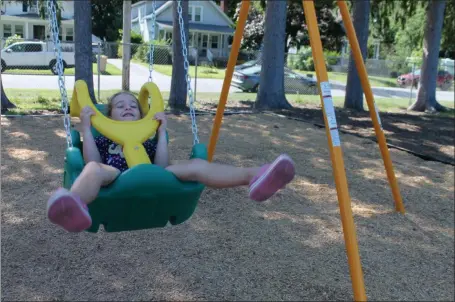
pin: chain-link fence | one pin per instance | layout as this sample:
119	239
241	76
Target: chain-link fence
25	64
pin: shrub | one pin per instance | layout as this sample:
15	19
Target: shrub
12	40
136	39
161	52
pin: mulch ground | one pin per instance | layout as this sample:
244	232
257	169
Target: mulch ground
288	248
429	136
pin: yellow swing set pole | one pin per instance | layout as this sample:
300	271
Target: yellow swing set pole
336	155
228	77
357	54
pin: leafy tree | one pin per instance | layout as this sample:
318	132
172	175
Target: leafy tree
271	90
83	44
253	32
434	34
426	93
354	92
330	29
177	97
6	103
107	19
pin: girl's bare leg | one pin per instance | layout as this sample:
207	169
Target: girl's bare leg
212	174
69	208
92	178
263	181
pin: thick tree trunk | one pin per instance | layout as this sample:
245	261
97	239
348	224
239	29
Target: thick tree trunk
426	93
83	46
271	89
6	104
126	45
177	98
354	91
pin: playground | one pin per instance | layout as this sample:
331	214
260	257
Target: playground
288	248
337	231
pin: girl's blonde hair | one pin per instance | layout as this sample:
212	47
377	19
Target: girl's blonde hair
111	100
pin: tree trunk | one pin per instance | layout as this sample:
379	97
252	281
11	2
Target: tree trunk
6	104
354	91
126	45
177	98
83	46
271	89
426	93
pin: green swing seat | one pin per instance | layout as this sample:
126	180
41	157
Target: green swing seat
143	197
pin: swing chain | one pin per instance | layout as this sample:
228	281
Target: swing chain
54	30
152	45
186	65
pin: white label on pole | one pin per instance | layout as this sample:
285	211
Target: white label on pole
325	89
330	112
377	114
335	137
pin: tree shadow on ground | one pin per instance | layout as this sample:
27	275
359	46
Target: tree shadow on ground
288	248
428	135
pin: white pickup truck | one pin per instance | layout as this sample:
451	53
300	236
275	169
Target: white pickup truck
35	55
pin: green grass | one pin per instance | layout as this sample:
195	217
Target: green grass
374	80
110	70
29	100
343	78
203	72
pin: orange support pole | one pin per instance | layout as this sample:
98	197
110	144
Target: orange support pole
357	54
339	173
228	77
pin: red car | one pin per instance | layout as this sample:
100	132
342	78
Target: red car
443	81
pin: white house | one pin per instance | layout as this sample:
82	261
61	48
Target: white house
17	17
210	28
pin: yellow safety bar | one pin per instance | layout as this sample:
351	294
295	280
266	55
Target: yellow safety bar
129	134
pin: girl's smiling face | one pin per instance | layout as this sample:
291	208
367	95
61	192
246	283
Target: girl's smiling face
125	108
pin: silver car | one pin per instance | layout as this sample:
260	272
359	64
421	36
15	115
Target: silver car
248	79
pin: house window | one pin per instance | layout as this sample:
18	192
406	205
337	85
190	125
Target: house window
19	30
161	35
7	30
24	6
214	41
34	6
195	13
190	40
69	34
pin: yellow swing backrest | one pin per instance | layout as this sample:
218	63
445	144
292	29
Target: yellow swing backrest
129	134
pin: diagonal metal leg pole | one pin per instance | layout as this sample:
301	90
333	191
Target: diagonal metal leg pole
357	54
228	77
336	155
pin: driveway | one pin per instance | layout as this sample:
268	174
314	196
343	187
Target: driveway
139	75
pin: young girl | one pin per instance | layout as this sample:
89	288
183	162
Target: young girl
105	162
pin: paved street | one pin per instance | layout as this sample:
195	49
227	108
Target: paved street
139	75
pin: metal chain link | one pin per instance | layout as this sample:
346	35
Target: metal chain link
186	65
52	14
152	45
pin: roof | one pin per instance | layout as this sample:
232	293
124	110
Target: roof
144	2
200	27
32	16
163	7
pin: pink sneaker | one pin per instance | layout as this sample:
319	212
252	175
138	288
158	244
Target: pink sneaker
271	178
68	211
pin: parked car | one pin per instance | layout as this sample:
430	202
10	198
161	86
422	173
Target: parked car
35	55
443	81
245	65
247	80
